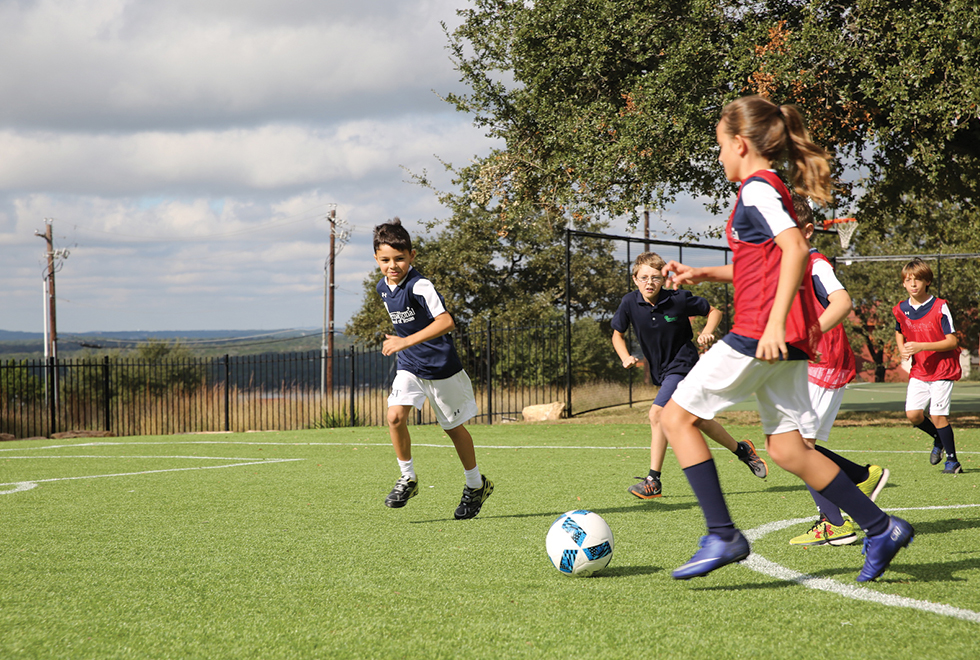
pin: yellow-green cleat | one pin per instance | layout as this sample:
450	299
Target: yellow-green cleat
823	533
877	478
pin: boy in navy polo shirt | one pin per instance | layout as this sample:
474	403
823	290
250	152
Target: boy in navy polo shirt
428	368
661	321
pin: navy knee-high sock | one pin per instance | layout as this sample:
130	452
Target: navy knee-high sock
930	429
842	492
856	473
703	478
829	510
946	437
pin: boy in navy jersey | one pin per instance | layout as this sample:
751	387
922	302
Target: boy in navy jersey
924	334
661	321
428	368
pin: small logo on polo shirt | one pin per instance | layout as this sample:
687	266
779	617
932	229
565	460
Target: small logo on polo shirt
670	319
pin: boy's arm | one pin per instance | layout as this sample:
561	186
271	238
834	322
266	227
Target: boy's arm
838	309
707	335
689	275
910	348
619	343
792	265
440	326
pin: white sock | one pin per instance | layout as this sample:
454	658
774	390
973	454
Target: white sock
407	468
473	478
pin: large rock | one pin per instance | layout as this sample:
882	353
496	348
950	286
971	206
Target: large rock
545	412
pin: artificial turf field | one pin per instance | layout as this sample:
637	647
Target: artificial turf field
278	545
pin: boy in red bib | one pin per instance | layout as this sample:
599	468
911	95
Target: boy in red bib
924	334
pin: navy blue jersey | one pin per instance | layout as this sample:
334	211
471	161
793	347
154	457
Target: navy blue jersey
412	305
664	329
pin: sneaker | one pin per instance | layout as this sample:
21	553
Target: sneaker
404	490
647	489
953	467
473	499
824	533
936	455
750	458
714	553
881	549
877	478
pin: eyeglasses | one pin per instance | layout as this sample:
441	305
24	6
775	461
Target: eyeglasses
652	278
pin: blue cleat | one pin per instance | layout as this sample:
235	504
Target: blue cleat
714	553
881	549
953	467
936	455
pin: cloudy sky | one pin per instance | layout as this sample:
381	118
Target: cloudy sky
188	152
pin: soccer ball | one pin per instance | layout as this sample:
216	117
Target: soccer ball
579	543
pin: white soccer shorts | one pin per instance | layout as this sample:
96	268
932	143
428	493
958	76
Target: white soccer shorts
937	393
451	398
826	404
724	377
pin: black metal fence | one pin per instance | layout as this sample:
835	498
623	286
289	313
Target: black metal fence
510	369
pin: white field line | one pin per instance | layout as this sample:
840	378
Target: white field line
21	486
760	564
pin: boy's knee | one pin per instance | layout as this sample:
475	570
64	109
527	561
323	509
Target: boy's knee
397	417
915	416
655	414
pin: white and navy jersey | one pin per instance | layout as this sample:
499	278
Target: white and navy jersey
916	312
760	215
412	305
825	281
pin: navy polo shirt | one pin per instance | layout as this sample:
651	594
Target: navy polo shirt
664	329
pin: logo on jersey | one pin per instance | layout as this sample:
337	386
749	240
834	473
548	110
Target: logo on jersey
670	319
402	317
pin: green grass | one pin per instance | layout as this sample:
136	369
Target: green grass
278	558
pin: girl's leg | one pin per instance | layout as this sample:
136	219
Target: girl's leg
693	454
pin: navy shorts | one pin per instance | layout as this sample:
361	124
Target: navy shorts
667	389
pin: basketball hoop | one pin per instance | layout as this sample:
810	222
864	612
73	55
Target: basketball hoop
845	229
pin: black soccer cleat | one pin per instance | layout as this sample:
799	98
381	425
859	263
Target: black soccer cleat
404	490
473	499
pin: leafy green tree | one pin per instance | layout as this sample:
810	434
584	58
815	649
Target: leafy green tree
605	107
159	367
18	385
608	106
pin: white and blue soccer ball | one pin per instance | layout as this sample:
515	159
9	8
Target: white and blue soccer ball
579	543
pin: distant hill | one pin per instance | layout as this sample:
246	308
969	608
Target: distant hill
27	345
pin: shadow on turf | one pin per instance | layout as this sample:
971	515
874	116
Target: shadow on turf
658	504
624	571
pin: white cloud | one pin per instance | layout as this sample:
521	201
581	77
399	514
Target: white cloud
189	151
115	65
